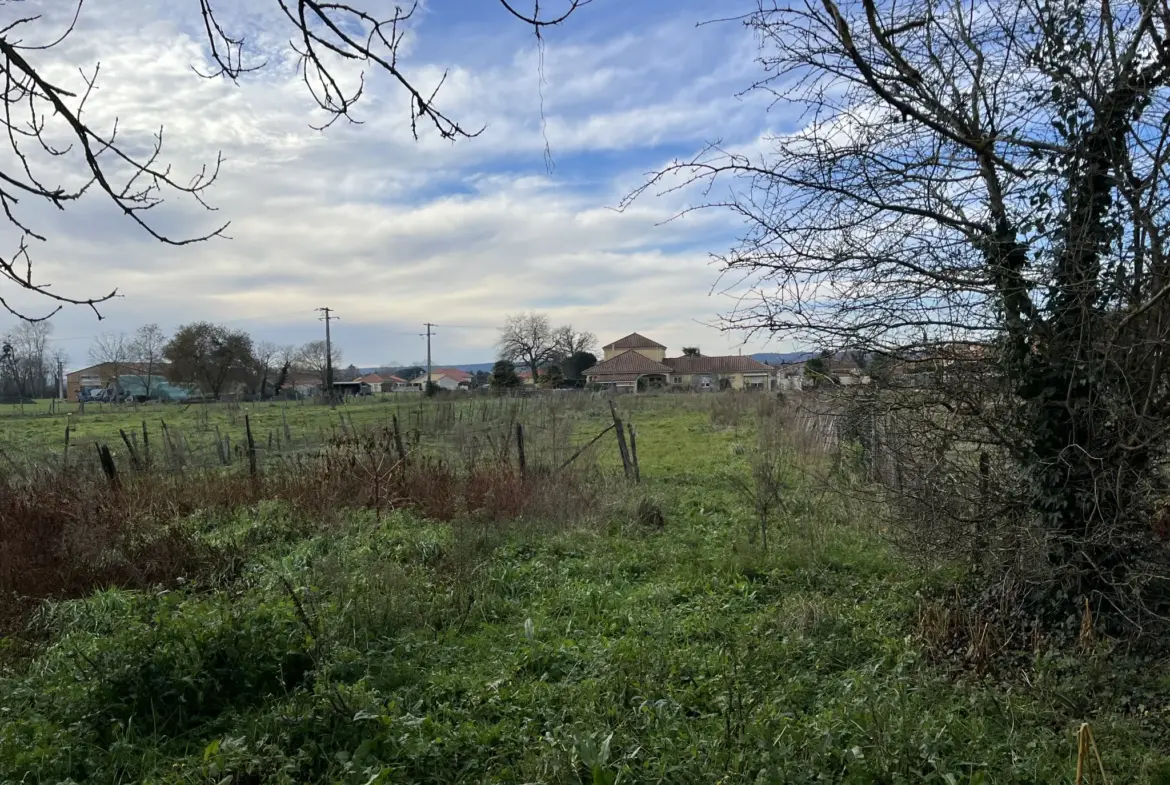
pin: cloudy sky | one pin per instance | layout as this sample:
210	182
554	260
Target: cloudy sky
391	232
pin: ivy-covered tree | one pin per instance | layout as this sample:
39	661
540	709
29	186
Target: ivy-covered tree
985	189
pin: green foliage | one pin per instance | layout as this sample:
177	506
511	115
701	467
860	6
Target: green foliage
818	367
209	355
392	649
574	366
552	377
504	376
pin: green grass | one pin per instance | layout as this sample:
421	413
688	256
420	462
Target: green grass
400	650
31	435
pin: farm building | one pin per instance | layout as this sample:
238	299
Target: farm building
132	378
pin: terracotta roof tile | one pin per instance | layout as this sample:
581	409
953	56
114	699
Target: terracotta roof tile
634	341
730	364
628	362
453	373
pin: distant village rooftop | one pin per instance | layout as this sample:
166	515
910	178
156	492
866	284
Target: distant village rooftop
634	341
635	362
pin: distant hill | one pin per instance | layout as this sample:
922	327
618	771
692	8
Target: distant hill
472	367
780	358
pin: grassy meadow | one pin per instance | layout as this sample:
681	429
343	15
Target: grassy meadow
453	621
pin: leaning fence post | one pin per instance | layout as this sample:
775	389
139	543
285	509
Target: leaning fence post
145	445
621	439
175	462
251	446
133	453
107	461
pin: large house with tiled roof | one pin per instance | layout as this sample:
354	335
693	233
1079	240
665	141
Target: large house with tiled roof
637	362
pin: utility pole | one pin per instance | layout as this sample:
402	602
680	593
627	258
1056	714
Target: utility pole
328	353
427	386
60	380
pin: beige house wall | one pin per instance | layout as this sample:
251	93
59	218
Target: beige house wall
687	380
654	353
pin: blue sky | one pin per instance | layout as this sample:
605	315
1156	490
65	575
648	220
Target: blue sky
391	232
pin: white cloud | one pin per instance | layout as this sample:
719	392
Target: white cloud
391	232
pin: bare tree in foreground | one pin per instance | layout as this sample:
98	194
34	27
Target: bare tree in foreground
58	156
985	188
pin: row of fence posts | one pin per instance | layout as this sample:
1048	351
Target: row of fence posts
627	441
142	462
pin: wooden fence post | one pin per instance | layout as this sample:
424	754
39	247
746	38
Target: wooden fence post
133	453
634	452
251	446
176	459
65	452
621	439
107	461
219	447
145	445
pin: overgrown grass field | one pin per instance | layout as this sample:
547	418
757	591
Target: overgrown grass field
593	630
36	435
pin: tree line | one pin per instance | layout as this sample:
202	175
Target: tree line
29	365
213	358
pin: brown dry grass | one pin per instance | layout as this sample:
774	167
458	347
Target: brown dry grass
63	536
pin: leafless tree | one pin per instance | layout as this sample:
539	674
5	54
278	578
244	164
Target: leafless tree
145	351
115	350
528	339
770	467
312	357
273	363
40	111
974	188
568	341
282	363
25	349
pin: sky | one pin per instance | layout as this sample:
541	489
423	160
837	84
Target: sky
390	232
